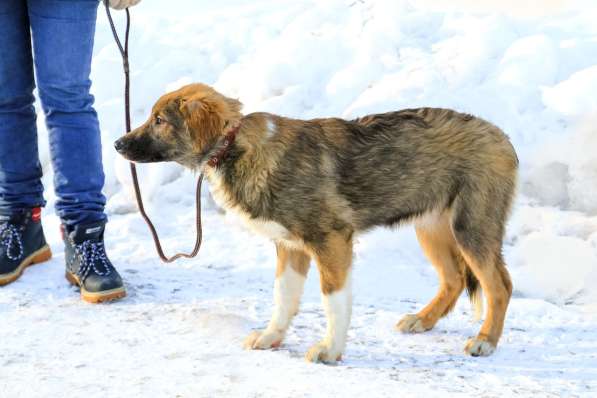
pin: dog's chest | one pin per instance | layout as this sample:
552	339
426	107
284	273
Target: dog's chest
267	228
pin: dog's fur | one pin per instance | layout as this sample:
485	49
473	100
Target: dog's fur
310	185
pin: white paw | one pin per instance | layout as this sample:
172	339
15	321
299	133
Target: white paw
263	340
410	323
321	352
478	348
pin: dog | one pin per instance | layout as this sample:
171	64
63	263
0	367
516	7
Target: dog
312	185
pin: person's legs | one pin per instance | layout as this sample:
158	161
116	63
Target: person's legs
22	241
20	170
63	33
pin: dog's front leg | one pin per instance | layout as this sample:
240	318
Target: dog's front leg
334	261
291	272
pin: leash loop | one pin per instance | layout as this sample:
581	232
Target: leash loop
124	52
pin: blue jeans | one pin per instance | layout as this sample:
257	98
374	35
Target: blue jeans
62	33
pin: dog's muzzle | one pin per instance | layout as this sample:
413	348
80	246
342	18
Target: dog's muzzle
121	145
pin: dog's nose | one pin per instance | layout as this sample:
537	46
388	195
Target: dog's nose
120	145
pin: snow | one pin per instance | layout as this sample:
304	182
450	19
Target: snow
529	68
574	96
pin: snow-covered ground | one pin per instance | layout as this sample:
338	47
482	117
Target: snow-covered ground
531	68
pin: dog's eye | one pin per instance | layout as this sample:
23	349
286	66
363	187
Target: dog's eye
158	120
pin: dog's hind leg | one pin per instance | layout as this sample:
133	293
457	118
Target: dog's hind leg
334	260
291	272
478	224
438	243
497	287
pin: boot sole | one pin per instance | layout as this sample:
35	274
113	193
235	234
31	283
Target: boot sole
96	297
37	257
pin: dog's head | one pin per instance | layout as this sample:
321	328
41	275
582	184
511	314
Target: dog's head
183	127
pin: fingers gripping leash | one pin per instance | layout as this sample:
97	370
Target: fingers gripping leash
124	52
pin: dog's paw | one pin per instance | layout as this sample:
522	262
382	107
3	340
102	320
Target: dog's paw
411	323
321	352
263	340
478	347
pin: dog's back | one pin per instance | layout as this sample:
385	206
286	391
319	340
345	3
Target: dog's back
395	166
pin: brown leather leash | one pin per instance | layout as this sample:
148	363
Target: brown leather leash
124	52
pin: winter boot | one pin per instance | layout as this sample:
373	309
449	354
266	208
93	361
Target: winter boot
87	264
22	243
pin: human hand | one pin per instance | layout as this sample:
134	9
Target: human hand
122	4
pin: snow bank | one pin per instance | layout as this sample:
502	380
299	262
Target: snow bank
530	72
574	96
554	256
555	267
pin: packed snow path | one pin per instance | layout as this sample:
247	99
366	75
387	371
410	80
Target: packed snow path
180	330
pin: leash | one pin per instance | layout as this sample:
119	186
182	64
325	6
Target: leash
124	52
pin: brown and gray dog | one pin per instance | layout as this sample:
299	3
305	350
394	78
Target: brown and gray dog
311	185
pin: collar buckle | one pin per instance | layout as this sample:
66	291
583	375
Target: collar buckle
229	138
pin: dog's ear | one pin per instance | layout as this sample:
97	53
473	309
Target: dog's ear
205	122
209	114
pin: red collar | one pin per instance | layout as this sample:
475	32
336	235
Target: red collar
229	138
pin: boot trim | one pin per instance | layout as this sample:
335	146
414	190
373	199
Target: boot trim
95	297
37	257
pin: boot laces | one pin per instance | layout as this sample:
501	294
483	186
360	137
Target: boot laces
12	239
92	254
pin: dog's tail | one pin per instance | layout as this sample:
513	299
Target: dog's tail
473	289
475	294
